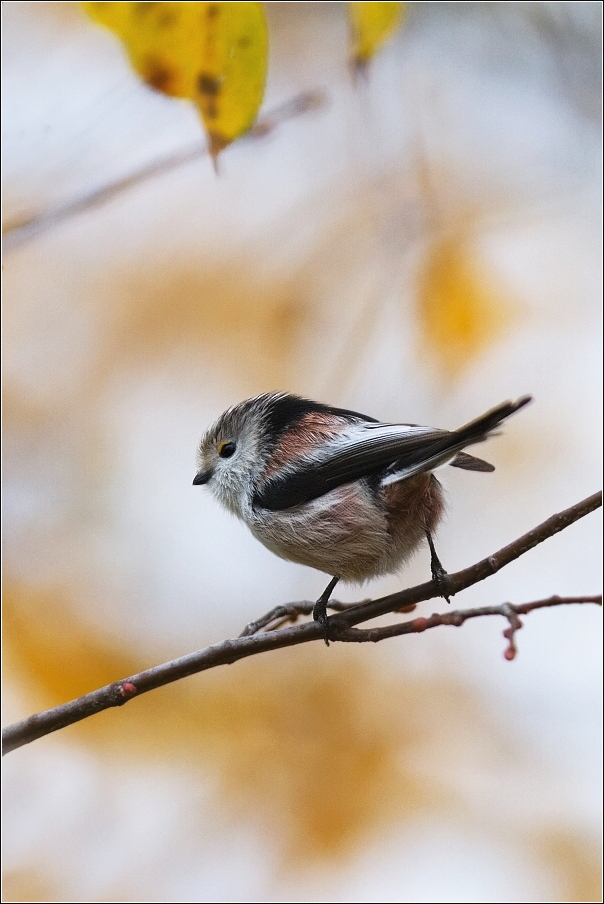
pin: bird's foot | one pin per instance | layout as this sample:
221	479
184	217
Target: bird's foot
439	575
319	612
441	579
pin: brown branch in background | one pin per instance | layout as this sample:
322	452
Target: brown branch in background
254	640
17	232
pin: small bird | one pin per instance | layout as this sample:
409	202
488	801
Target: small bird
334	489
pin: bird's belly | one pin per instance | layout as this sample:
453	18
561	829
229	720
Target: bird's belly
413	506
345	532
341	533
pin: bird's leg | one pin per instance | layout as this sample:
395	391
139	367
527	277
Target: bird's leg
439	575
319	612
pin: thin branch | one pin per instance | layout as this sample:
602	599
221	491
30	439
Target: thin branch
475	573
252	642
21	230
457	618
290	613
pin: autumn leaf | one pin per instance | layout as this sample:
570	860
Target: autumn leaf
214	54
462	308
372	24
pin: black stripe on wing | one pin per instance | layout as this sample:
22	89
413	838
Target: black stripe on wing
365	458
371	454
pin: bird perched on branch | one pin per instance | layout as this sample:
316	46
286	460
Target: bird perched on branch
335	489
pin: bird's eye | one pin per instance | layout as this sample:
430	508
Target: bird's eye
225	450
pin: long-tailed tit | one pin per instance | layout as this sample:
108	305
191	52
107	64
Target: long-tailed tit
334	489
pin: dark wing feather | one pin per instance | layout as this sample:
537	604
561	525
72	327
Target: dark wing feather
366	453
470	463
375	448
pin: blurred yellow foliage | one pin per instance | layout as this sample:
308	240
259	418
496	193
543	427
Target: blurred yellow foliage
30	883
461	308
573	859
324	750
323	747
215	54
64	658
372	24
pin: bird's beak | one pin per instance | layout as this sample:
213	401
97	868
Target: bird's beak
201	477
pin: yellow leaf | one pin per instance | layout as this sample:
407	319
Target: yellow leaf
231	87
372	24
214	54
462	310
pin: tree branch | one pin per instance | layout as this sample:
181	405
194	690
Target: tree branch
17	232
457	618
254	640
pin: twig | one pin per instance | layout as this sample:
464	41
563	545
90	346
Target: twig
23	229
250	644
290	613
457	618
475	573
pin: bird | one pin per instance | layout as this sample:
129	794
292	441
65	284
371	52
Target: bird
334	489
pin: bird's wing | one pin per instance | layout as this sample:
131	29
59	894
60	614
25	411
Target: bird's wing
365	449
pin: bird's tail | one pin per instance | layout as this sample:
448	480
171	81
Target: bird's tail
448	447
478	430
475	432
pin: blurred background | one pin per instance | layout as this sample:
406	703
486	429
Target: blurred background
419	246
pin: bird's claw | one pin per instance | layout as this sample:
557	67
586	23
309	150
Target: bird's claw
439	575
319	614
441	579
